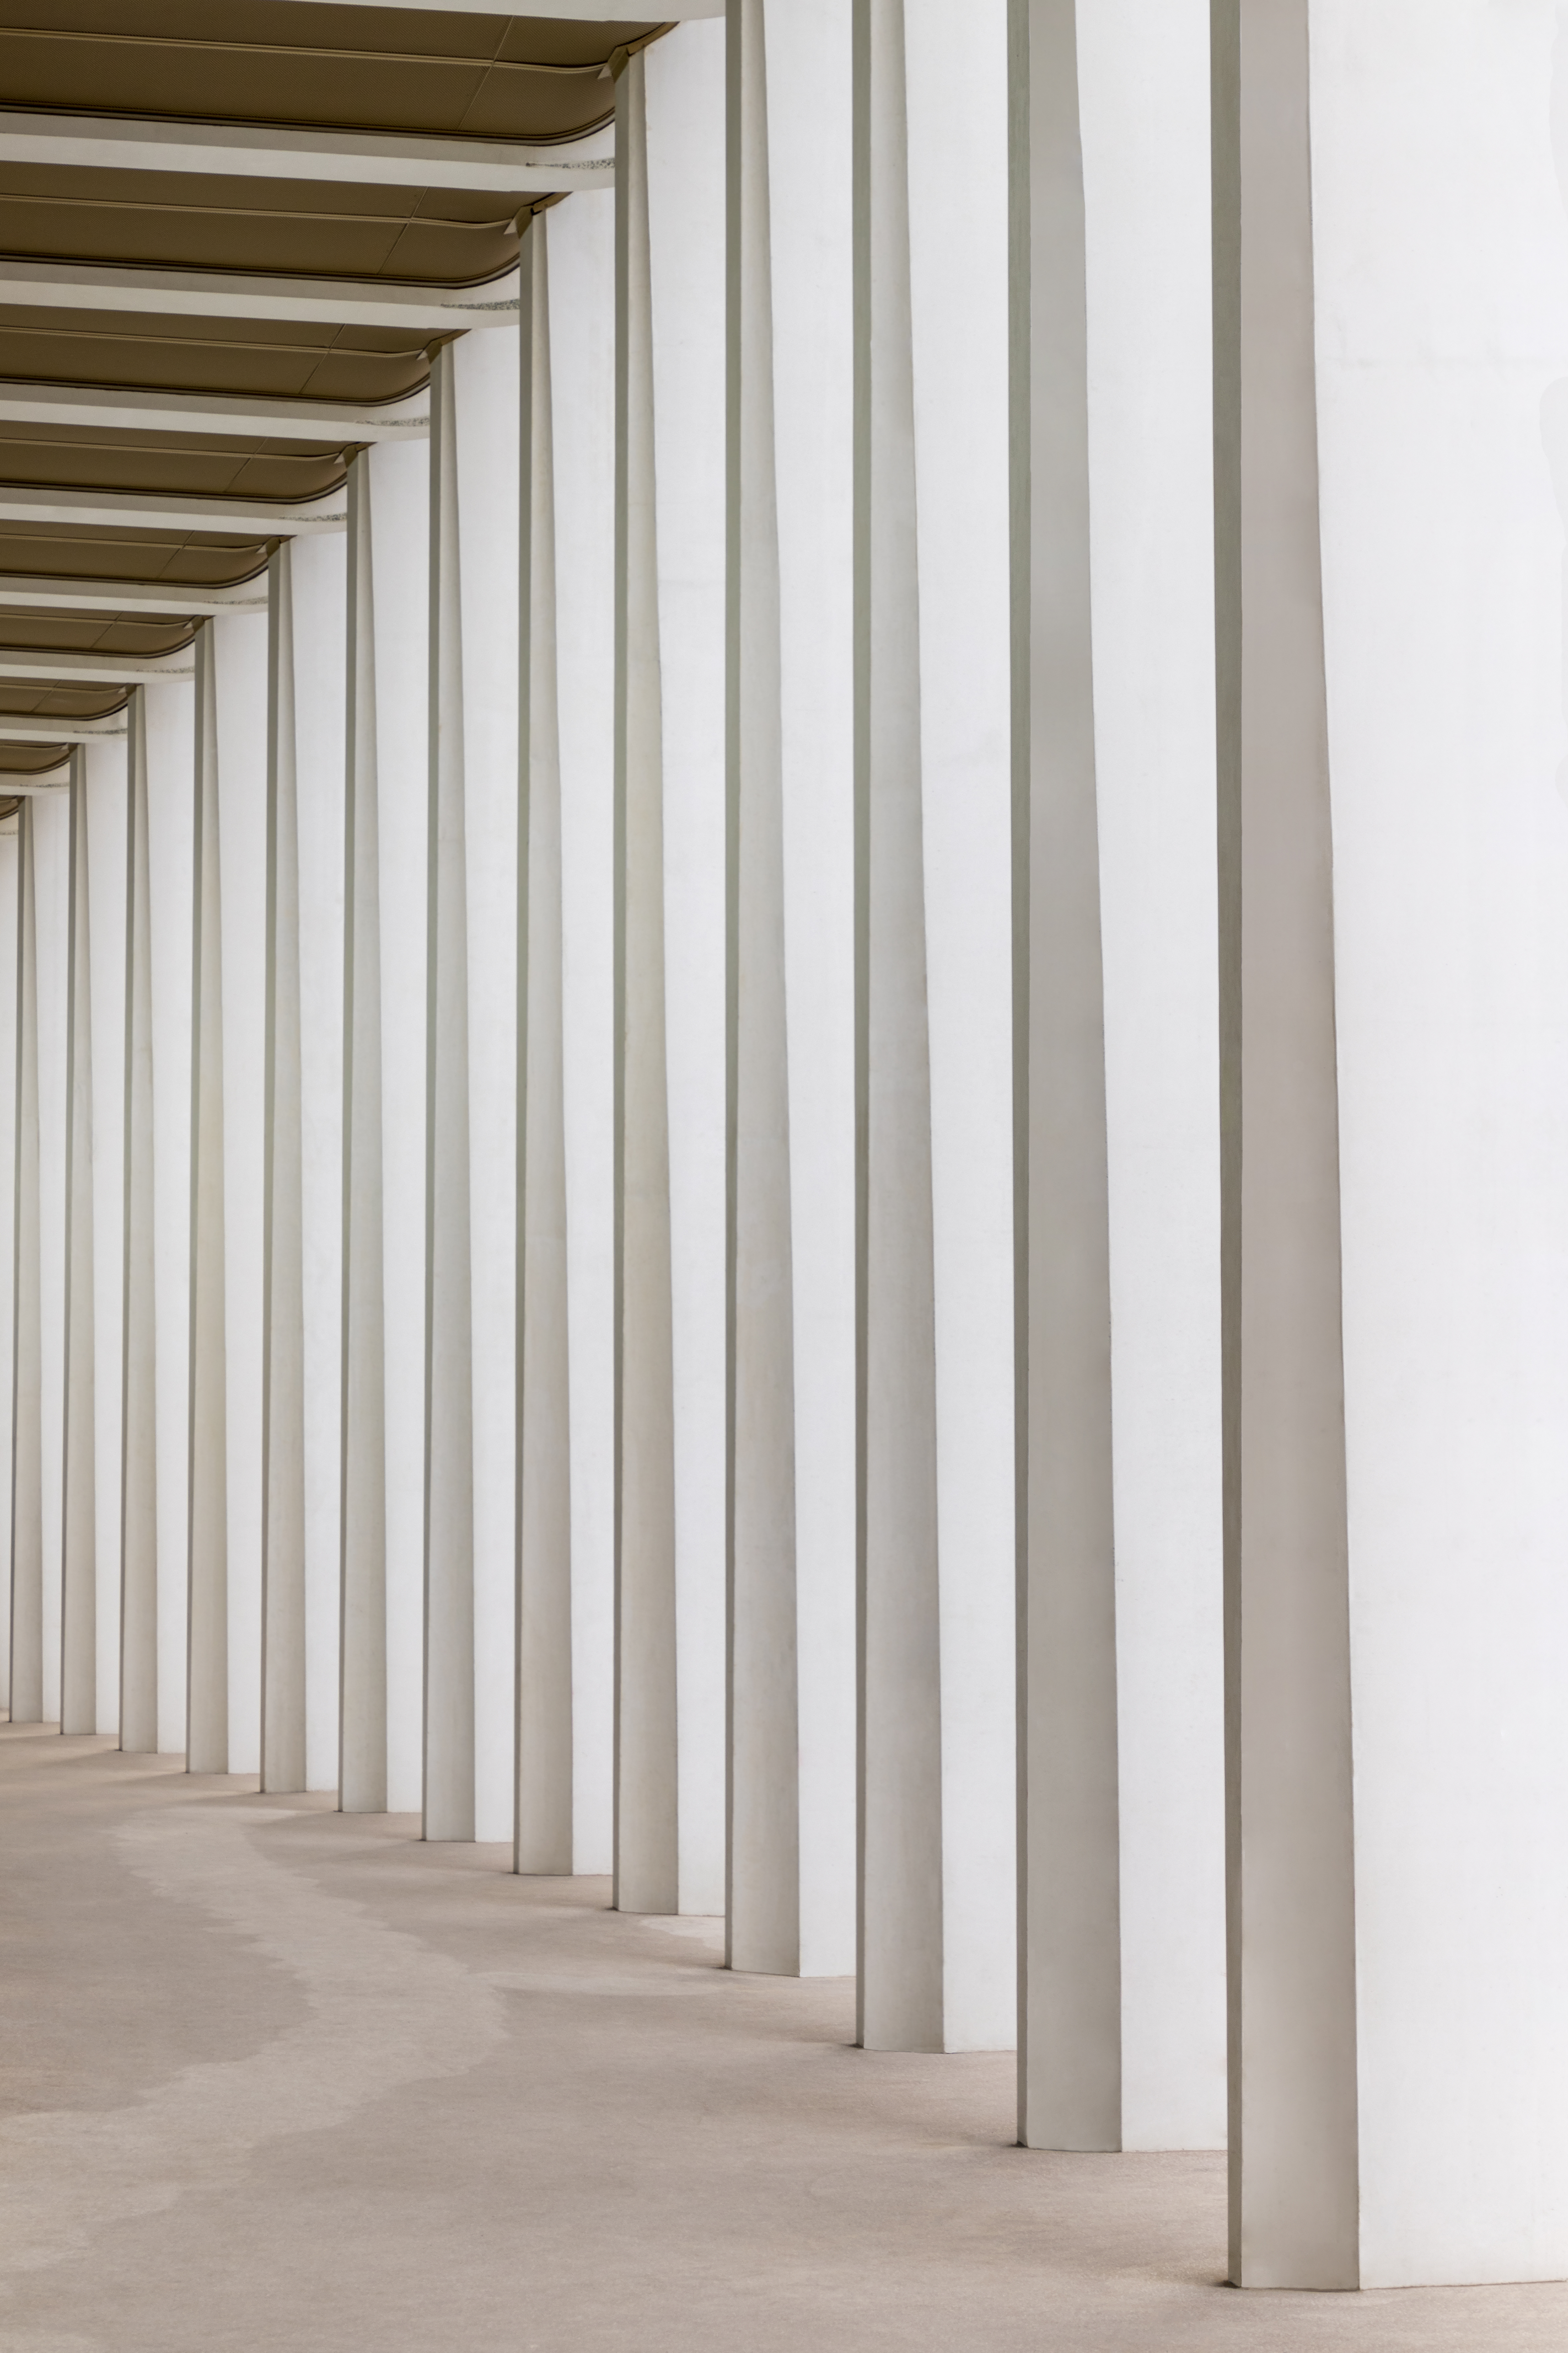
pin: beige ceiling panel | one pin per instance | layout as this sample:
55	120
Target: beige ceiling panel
295	228
206	465
111	633
270	358
62	702
272	62
194	558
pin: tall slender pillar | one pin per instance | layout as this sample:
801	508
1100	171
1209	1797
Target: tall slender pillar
283	1337
207	1515
764	1716
938	1966
544	1714
362	1719
471	1197
791	1611
1070	2058
105	769
10	846
581	291
1121	1997
168	708
485	382
79	1513
647	1859
27	1377
670	654
51	900
138	1463
397	479
1391	356
319	590
686	136
449	1343
901	1908
240	674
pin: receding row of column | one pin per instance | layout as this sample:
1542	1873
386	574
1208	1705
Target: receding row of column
617	1144
563	1218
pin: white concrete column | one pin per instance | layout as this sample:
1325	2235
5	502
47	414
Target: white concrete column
471	1214
79	1501
647	1865
1070	2006
283	1272
765	1802
1392	464
544	1839
670	572
10	845
206	1744
169	710
105	804
1122	2009
363	1780
670	1492
27	1390
302	1404
138	1273
792	1696
240	645
318	586
383	1129
398	481
938	1968
582	295
485	383
686	172
228	1154
448	1340
51	859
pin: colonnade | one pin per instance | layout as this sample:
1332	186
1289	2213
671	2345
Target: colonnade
625	1235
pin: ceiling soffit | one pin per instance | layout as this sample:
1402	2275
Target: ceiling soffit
280	63
304	229
274	62
28	760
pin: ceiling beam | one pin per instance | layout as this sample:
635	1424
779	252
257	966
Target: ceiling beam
34	502
40	780
177	600
50	664
576	12
242	294
23	727
129	142
112	410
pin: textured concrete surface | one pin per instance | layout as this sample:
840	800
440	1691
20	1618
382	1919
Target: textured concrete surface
279	2078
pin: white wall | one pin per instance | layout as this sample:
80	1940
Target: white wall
1439	153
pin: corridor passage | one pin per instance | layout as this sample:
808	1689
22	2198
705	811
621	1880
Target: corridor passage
280	2080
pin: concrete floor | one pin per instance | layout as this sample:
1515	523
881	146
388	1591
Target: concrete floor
283	2081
